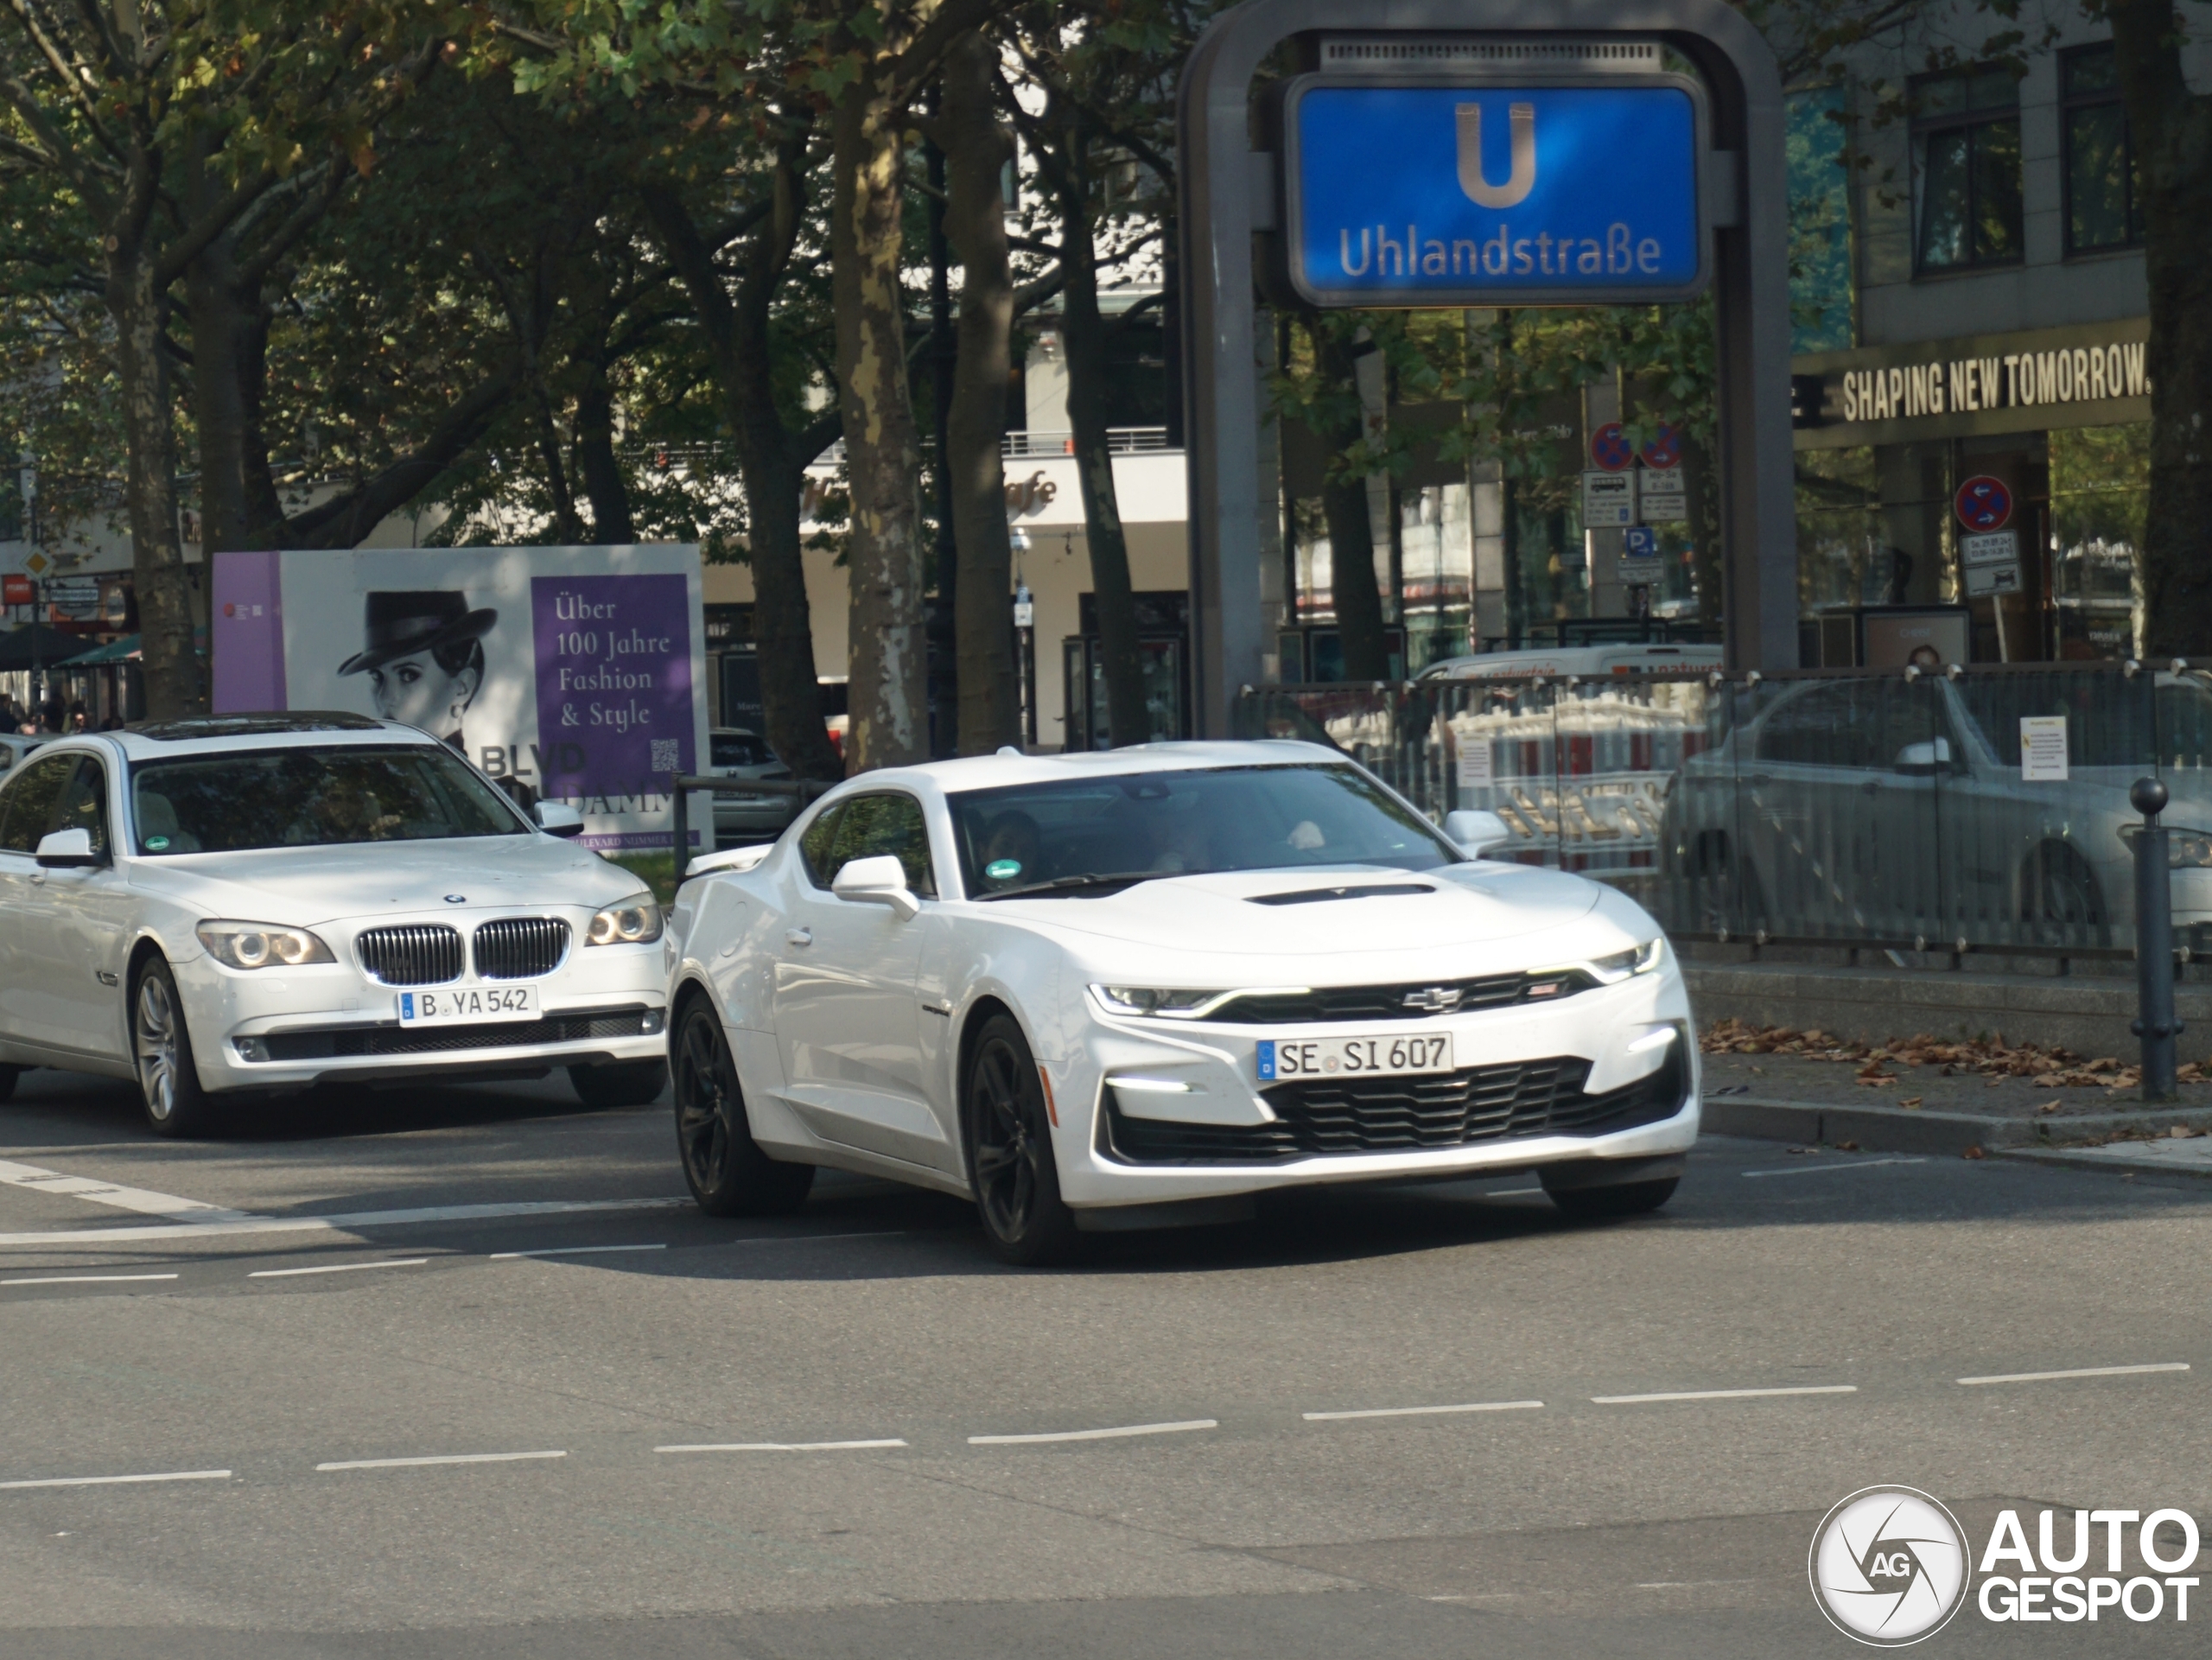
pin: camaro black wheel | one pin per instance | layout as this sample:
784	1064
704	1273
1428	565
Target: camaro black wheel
1629	1198
169	1083
624	1084
728	1173
1010	1150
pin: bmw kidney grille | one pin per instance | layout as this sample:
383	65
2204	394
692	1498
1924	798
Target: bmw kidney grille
520	947
413	954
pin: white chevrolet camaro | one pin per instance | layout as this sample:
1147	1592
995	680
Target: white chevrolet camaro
1134	989
269	902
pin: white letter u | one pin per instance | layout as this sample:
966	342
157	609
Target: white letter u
1343	256
1523	178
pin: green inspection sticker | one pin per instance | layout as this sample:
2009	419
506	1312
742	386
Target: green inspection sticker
156	843
999	869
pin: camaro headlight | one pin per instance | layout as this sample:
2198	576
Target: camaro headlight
635	921
1144	1000
262	944
1637	959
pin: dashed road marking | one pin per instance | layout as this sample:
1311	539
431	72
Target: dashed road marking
1830	1169
37	1180
90	1278
1511	1193
118	1481
1418	1412
334	1268
1723	1395
1095	1435
2077	1371
780	1446
571	1251
345	1222
445	1458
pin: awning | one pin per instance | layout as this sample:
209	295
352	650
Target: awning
115	650
53	645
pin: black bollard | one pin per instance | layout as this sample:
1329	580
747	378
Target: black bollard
2154	943
679	842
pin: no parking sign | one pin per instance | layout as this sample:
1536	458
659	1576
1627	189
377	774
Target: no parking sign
1984	503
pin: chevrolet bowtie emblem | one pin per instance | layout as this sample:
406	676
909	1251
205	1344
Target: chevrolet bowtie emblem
1434	1000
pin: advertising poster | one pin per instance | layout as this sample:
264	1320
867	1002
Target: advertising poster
579	671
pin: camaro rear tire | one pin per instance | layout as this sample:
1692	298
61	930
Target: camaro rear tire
728	1173
624	1083
161	1046
1010	1142
1629	1198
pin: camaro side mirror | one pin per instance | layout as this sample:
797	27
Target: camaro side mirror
67	849
558	819
879	881
1475	830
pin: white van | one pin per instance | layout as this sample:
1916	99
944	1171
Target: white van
1584	662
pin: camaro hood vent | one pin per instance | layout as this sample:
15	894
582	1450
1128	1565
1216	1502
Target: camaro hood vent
1351	891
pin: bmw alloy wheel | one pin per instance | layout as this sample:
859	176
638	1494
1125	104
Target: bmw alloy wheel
155	1029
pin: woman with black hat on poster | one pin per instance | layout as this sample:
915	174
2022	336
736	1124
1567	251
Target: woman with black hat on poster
423	652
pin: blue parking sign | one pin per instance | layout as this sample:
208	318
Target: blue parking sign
1486	192
1639	542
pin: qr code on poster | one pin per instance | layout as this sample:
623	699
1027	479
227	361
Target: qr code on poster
663	755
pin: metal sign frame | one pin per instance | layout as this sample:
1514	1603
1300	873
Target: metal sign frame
1228	197
1285	263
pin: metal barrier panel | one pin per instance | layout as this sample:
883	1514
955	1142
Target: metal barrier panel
1853	807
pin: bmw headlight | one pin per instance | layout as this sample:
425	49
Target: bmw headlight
2186	849
1637	959
1146	1000
635	921
261	944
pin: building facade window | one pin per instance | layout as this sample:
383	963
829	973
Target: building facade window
2103	208
1966	145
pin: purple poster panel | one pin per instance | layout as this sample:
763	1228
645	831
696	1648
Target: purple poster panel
614	710
249	634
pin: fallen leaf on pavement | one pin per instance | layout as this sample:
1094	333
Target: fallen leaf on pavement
1974	1153
1910	1103
2047	1106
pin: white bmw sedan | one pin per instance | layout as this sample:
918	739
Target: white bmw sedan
267	902
1134	989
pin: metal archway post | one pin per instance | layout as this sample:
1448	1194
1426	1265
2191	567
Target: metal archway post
1227	193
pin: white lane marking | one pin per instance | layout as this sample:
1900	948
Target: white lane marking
447	1458
569	1251
1687	1585
90	1278
117	1481
2078	1371
1511	1193
335	1268
814	1238
1723	1395
779	1446
350	1220
1418	1412
1829	1169
1095	1435
110	1193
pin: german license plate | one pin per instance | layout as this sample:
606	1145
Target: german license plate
1283	1060
459	1005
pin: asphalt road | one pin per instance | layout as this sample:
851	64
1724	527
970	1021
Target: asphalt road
454	1373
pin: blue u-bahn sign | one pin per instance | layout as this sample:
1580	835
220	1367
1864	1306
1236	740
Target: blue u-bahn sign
1495	192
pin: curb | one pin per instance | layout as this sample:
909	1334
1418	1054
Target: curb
1893	1130
2067	1157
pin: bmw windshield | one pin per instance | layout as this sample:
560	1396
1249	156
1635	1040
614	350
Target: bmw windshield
1079	833
312	798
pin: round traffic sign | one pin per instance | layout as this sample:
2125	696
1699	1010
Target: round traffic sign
1984	503
1665	451
1610	449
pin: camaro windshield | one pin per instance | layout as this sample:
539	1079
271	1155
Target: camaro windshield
1140	824
312	798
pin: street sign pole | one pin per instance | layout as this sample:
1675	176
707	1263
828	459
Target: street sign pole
1228	195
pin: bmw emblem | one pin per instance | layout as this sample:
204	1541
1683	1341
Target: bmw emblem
456	899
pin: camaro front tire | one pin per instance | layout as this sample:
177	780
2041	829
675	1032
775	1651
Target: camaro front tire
8	1077
1010	1141
161	1047
728	1172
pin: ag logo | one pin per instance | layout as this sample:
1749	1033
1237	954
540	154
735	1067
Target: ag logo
1889	1565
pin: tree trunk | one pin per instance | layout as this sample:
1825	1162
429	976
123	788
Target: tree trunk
769	460
219	336
2171	129
976	149
595	449
1352	586
884	556
1082	337
174	683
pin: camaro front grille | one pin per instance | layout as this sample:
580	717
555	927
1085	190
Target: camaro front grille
520	947
1404	1115
1430	999
413	954
347	1042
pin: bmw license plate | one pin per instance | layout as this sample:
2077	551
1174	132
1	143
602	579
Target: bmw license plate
1282	1060
459	1005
